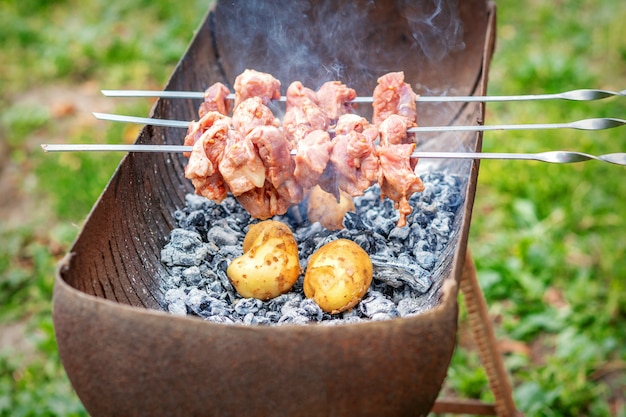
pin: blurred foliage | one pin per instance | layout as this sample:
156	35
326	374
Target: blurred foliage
66	44
548	240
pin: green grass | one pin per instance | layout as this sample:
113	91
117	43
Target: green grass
548	240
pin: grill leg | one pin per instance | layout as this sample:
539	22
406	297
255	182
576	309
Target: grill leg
484	336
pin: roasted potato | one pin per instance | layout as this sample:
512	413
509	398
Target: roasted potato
270	264
324	208
338	275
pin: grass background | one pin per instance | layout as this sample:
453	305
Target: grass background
549	241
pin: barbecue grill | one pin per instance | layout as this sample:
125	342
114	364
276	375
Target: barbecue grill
126	356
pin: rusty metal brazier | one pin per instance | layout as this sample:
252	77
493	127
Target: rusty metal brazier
125	356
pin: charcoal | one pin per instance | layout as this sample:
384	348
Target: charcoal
174	294
185	249
400	272
293	317
378	307
355	221
273	316
223	235
399	233
248	305
426	260
252	319
228	252
408	306
195	202
197	300
173	280
214	286
291	305
180	216
209	236
196	219
310	309
441	226
192	276
371	242
452	199
177	308
219	319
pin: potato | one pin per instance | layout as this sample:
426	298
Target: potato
338	275
323	208
270	264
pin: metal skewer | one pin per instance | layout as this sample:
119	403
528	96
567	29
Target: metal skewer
141	120
557	157
584	124
574	95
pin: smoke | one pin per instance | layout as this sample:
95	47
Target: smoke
352	41
436	26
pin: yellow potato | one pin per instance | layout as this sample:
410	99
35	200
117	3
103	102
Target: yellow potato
338	275
270	264
324	208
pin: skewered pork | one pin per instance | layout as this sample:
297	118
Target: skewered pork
303	113
241	166
335	99
393	96
269	167
311	159
251	83
252	113
197	129
275	152
354	159
263	203
393	130
394	113
397	179
208	150
216	99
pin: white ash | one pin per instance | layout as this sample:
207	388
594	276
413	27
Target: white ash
210	235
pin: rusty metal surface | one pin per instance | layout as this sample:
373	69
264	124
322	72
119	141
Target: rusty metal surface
125	356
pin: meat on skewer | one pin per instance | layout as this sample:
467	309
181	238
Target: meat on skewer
252	113
241	166
353	159
252	156
351	122
303	113
250	149
255	120
397	178
393	130
311	159
197	129
216	99
263	203
251	83
393	96
335	99
208	150
347	124
394	113
275	152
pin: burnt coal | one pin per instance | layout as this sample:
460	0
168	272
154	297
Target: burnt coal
210	235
